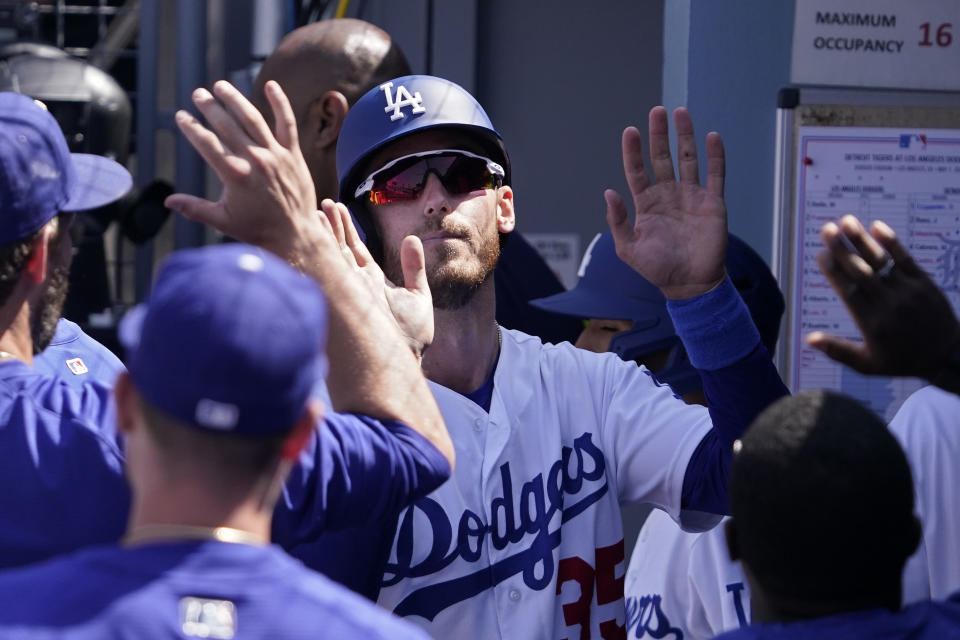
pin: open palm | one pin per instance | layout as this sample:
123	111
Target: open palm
678	239
411	305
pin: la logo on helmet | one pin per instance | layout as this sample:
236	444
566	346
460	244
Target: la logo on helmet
402	99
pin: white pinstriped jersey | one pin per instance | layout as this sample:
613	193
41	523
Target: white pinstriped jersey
526	541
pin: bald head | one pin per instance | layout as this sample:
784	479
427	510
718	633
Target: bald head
324	67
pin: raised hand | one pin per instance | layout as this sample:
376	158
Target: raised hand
411	306
268	195
908	326
679	238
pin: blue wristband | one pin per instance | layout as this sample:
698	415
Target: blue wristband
715	327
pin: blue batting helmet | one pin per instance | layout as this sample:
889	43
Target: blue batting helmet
398	108
403	106
609	288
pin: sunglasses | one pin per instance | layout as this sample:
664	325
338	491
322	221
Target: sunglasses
403	179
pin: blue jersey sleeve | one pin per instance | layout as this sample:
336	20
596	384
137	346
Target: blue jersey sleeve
739	381
355	471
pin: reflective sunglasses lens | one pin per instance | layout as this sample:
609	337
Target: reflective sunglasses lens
406	180
459	174
467	174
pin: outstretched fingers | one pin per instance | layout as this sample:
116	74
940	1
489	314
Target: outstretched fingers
360	251
617	218
845	260
631	147
660	146
329	209
886	237
687	165
849	284
866	245
245	116
206	143
198	209
716	164
286	121
221	121
856	356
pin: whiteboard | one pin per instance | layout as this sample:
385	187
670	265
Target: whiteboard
879	163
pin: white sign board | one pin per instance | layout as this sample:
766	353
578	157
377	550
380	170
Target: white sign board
561	252
900	44
910	179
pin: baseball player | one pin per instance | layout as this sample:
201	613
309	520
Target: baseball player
324	67
809	478
60	446
215	411
77	358
678	582
526	539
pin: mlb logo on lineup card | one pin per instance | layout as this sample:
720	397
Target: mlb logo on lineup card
907	140
401	99
76	366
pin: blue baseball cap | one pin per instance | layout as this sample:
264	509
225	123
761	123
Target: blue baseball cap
609	288
407	105
232	340
39	177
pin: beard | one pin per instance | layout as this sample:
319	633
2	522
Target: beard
45	315
452	283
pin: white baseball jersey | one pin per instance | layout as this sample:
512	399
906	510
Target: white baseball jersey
526	541
928	428
683	586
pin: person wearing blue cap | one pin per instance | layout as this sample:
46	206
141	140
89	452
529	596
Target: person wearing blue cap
215	411
526	538
628	315
48	431
60	445
41	182
93	182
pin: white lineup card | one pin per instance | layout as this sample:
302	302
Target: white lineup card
910	179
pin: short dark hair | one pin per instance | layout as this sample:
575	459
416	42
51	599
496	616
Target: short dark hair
822	501
13	258
226	458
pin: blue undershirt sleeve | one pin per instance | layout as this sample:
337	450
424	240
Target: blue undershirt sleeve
739	381
355	471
